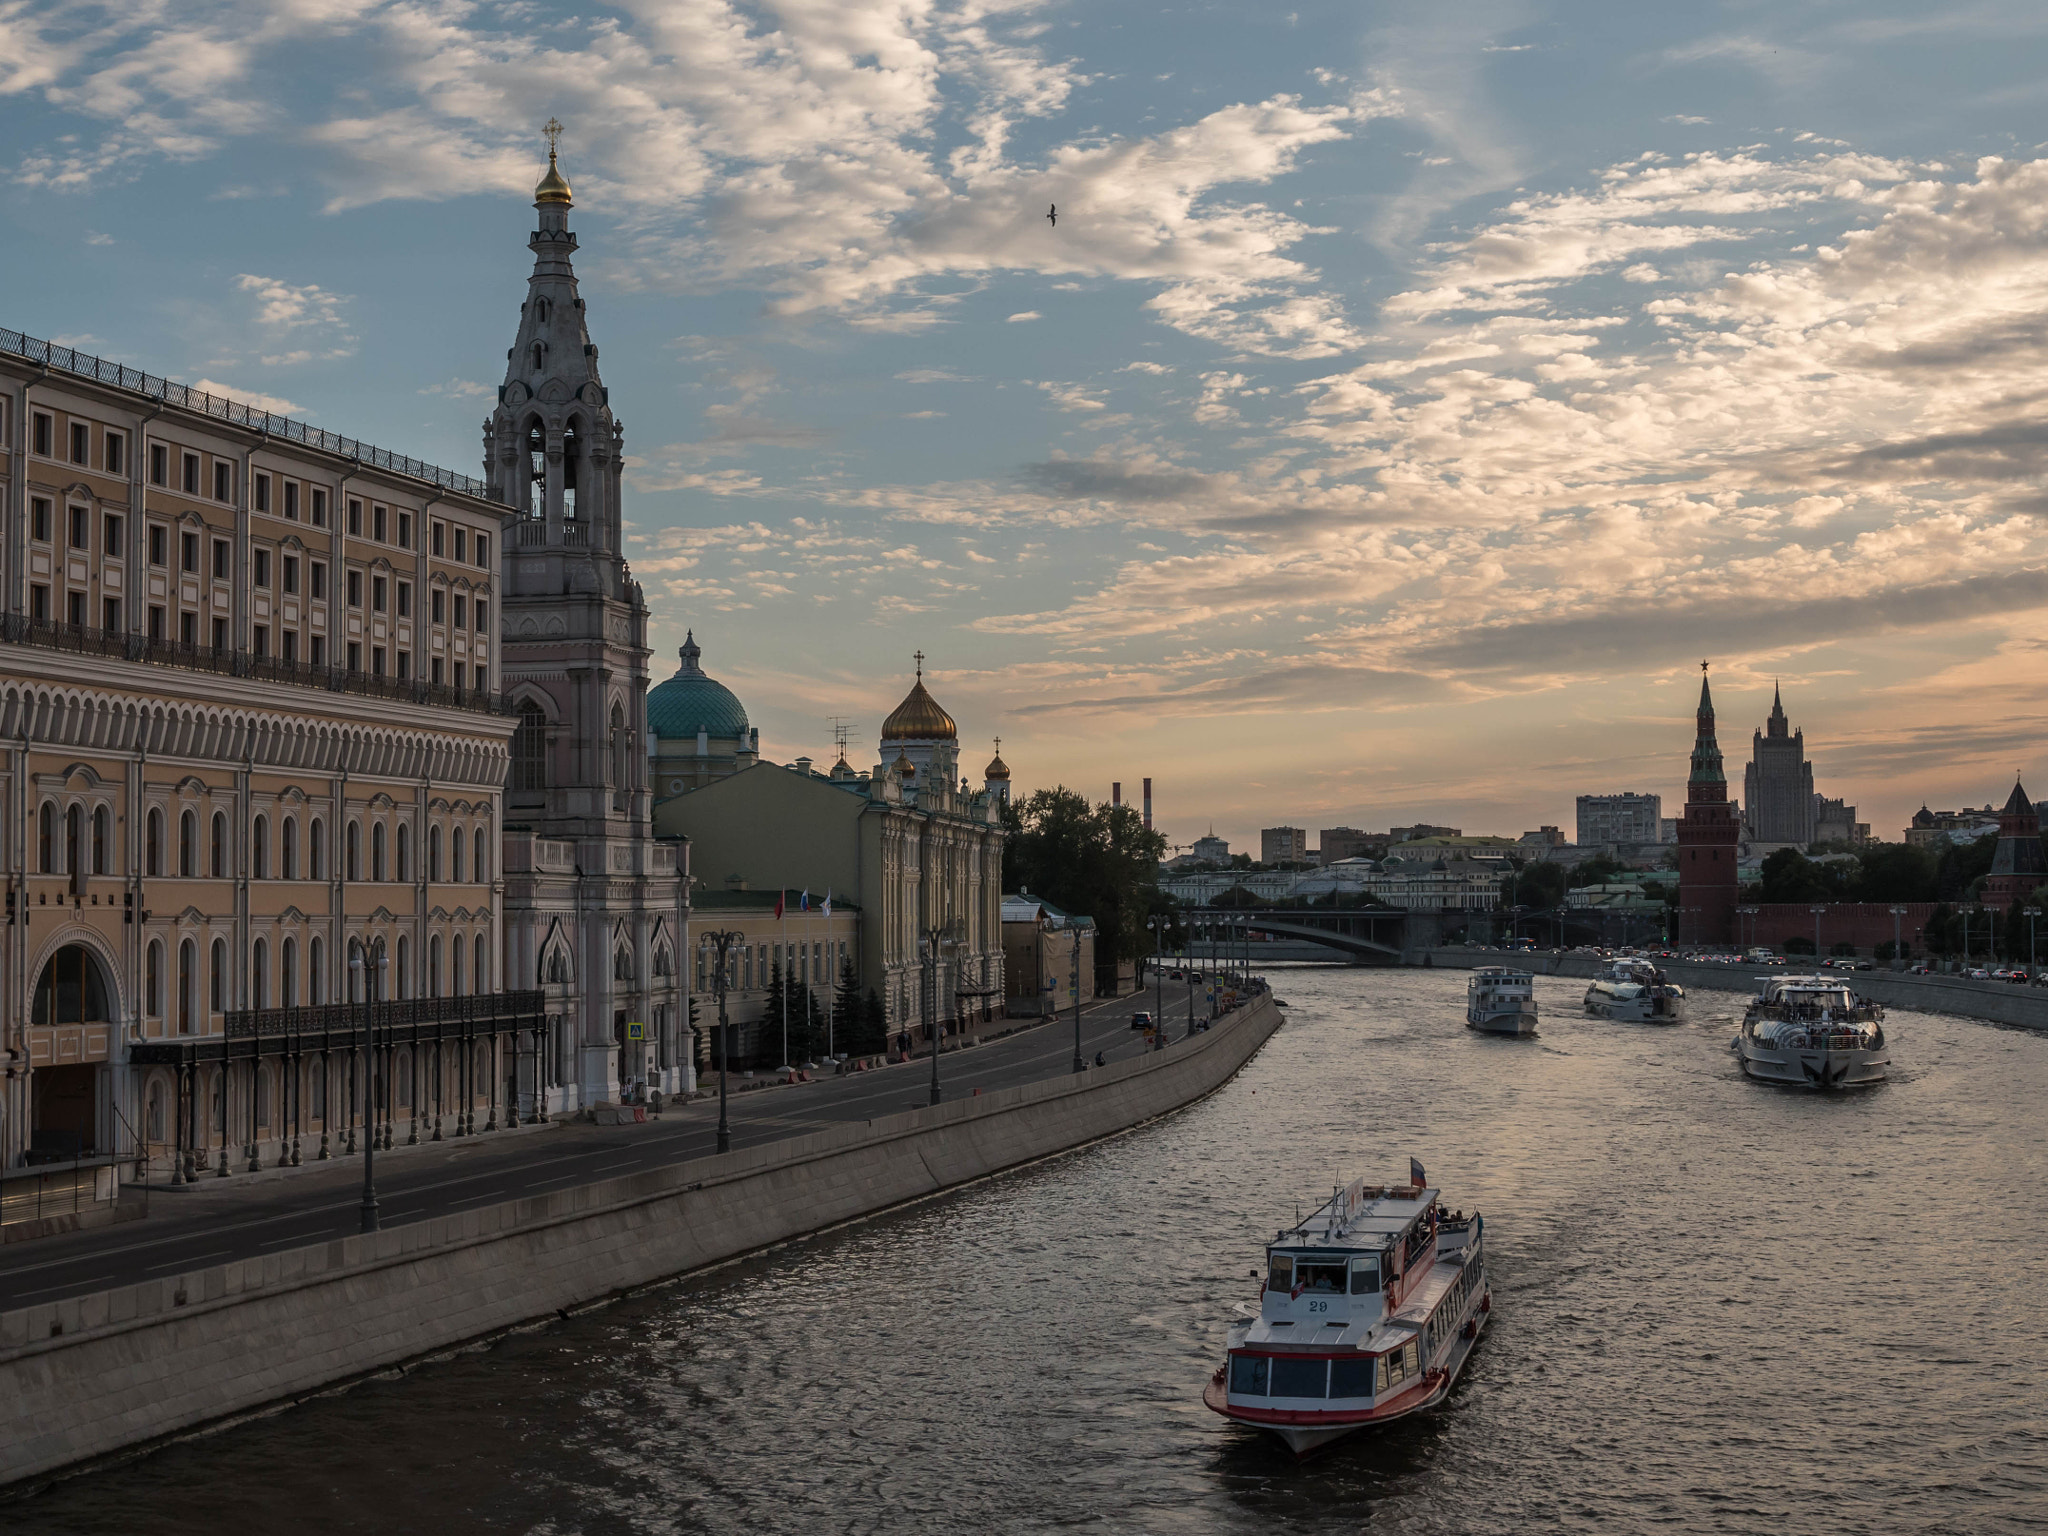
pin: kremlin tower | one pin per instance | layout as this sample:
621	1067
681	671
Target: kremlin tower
1706	840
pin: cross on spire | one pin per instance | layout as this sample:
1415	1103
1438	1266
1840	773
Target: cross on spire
999	746
920	666
551	132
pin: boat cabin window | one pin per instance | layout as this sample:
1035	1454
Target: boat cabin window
1280	1277
1324	1279
1248	1374
1301	1376
1351	1378
1365	1275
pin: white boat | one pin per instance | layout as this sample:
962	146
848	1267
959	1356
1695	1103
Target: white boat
1501	1001
1368	1313
1813	1032
1633	991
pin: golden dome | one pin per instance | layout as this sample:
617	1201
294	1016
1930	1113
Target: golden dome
918	717
904	766
997	768
554	187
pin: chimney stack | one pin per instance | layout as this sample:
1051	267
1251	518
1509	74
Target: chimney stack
1148	805
1116	794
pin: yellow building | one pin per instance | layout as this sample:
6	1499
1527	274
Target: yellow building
806	943
247	691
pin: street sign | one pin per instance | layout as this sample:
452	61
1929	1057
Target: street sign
636	1031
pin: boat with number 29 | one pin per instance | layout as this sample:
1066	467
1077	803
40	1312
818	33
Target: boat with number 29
1368	1312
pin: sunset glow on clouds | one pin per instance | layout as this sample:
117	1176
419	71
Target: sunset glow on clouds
1401	407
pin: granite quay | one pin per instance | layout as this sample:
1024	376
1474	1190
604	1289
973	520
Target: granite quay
158	1339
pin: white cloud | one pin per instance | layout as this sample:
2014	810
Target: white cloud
275	404
1025	314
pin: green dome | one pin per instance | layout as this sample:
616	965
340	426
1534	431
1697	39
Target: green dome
690	702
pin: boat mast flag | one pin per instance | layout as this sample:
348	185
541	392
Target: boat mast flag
1415	1174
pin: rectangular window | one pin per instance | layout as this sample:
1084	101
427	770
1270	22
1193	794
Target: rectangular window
79	531
377	585
319	579
483	678
290	640
377	523
355	589
438	528
39	604
110	615
159	464
159	544
1301	1377
436	670
438	605
319	507
1249	1374
458	676
188	629
405	664
355	518
260	639
74	609
1351	1377
45	426
461	604
191	474
223	559
39	518
405	600
316	652
112	529
483	550
291	573
291	500
188	552
117	447
483	615
263	493
405	530
220	634
377	660
355	655
461	535
261	575
156	622
81	443
223	481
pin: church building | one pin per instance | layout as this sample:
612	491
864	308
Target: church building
595	907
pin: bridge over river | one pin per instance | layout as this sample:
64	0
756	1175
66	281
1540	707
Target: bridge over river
1361	935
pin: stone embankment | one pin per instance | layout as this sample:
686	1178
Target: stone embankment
1995	1002
91	1375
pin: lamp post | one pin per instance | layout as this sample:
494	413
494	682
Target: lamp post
928	944
364	979
2032	957
1080	1062
1158	986
722	942
1750	913
1898	958
1818	913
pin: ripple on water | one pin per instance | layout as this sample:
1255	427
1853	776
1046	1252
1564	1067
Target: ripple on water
1722	1307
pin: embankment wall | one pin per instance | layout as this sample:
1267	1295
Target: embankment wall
1994	1002
91	1375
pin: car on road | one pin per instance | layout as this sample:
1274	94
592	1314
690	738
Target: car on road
1141	1020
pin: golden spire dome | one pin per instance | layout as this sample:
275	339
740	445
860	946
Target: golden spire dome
918	717
903	766
554	187
997	768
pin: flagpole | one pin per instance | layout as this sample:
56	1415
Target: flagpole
784	904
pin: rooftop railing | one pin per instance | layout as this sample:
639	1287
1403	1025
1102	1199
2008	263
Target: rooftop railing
102	371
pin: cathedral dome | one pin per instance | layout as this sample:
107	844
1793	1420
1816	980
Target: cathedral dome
919	718
997	768
690	702
554	186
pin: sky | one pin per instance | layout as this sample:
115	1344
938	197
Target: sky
1405	402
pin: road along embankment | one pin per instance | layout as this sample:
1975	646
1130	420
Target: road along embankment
1994	1002
91	1375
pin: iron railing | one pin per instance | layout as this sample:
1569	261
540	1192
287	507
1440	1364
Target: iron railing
83	640
101	371
337	1018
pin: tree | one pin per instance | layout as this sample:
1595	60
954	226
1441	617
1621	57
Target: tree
874	1023
849	1033
1540	884
1096	861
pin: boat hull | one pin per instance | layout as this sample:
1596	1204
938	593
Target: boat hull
1635	1011
1819	1070
1521	1022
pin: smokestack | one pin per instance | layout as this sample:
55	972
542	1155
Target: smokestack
1148	805
1116	794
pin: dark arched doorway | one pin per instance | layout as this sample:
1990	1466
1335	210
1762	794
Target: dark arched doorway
71	1033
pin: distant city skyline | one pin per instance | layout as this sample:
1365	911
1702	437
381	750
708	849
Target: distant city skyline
1405	400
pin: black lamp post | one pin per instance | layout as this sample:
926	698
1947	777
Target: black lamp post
366	975
1080	1063
1158	987
724	940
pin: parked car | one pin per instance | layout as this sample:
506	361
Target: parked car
1922	968
1141	1020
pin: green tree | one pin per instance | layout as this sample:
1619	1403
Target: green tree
1897	872
1096	861
1962	866
848	1017
1540	884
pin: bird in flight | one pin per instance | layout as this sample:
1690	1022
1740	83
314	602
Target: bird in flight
1052	215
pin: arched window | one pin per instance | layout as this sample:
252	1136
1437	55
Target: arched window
220	845
482	844
455	987
316	850
530	749
259	975
316	977
572	449
259	849
619	744
153	843
71	990
622	964
540	311
540	355
401	980
219	995
664	962
354	853
404	853
188	845
434	966
455	846
288	974
536	462
188	984
153	981
74	847
46	839
102	839
377	850
288	850
481	971
434	854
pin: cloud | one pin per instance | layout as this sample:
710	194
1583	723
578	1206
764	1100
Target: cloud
286	311
275	404
1026	314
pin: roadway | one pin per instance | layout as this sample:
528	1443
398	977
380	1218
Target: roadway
191	1226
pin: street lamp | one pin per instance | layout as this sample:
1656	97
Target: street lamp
928	945
364	974
1898	958
723	941
1080	1063
1155	924
1818	914
1750	913
2032	962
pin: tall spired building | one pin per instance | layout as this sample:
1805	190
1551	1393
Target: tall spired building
595	908
1777	786
1706	839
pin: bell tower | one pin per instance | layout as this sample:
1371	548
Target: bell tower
1707	837
598	915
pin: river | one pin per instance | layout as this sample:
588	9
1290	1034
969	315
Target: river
1719	1307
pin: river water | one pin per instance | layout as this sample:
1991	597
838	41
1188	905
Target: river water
1719	1307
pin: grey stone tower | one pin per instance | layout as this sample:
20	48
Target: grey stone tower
596	909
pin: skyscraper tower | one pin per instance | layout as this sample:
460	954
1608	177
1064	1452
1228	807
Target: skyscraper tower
595	907
1707	836
1777	785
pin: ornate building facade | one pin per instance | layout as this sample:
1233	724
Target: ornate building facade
1707	838
1777	785
597	909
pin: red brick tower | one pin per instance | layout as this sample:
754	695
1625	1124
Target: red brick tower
1706	840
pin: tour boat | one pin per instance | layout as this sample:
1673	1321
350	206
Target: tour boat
1635	992
1369	1311
1501	1001
1813	1032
